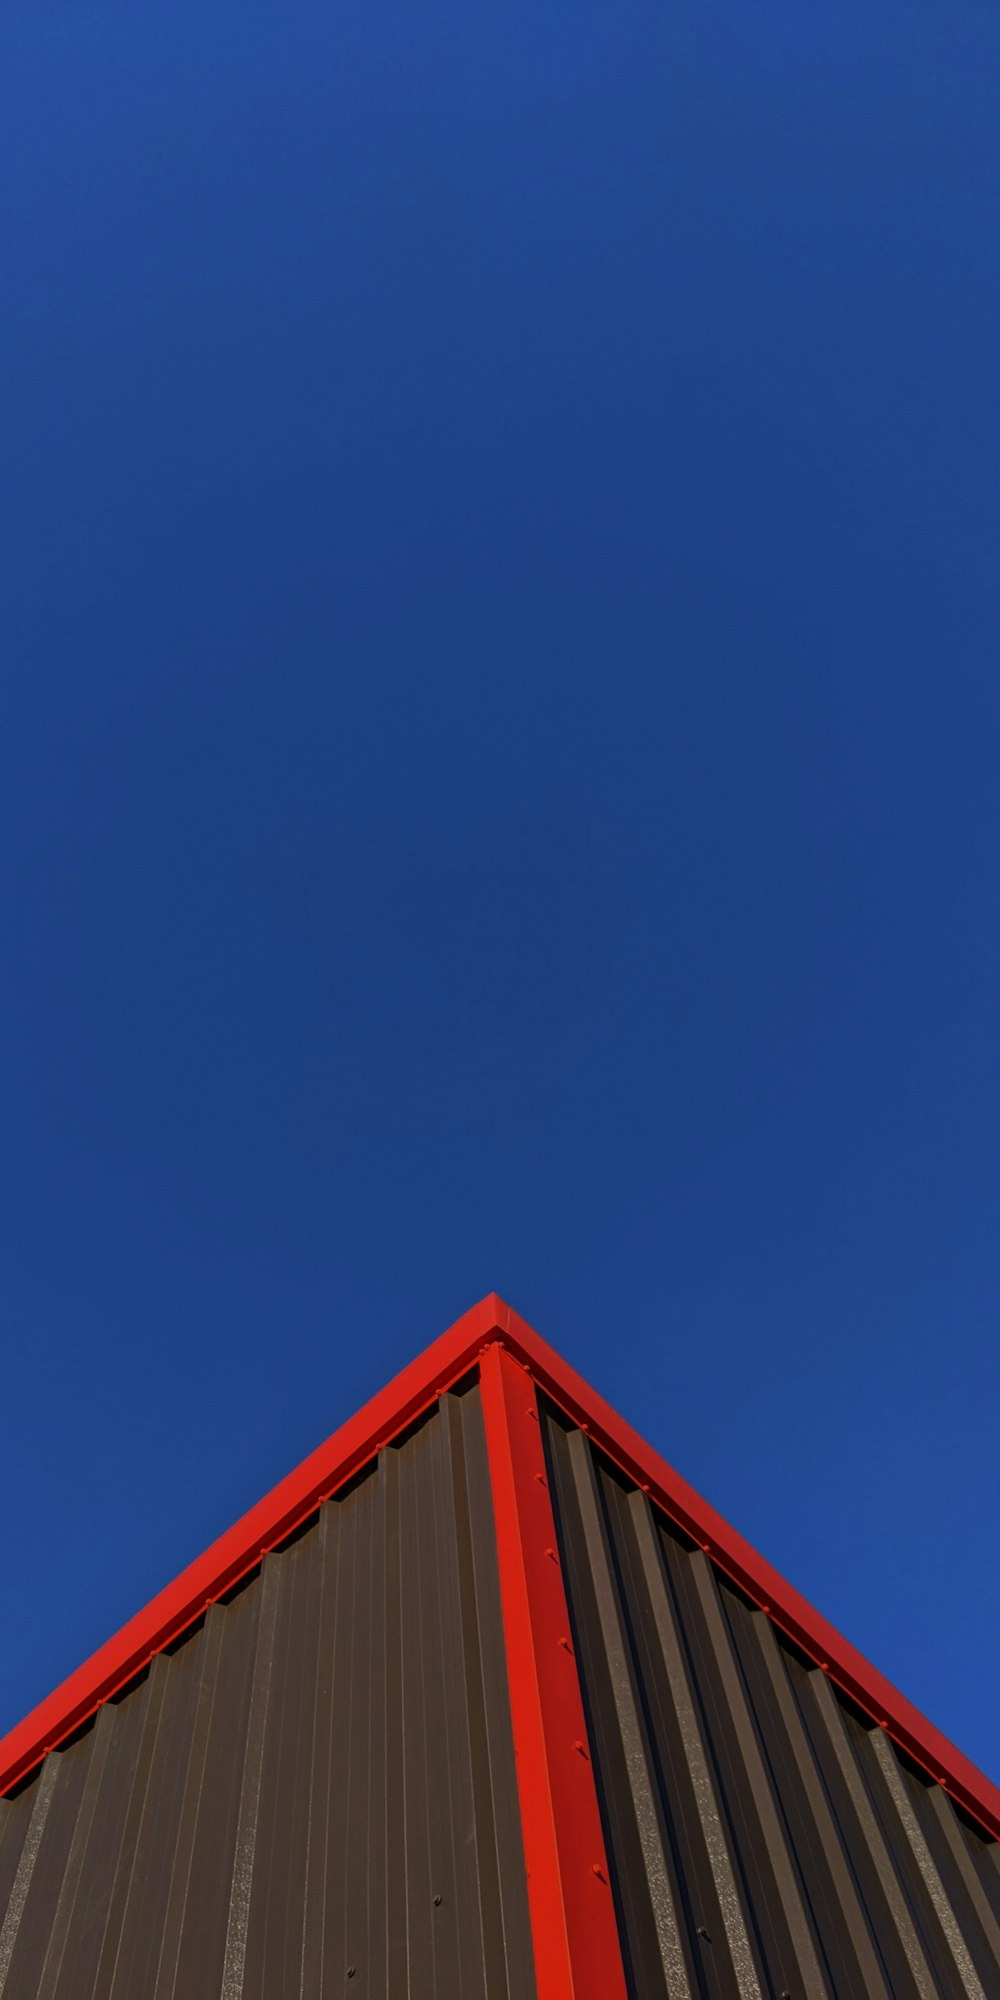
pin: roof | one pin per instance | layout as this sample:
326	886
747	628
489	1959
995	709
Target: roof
485	1698
415	1389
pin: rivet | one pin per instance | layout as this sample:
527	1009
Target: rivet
540	1478
437	1902
564	1643
581	1746
596	1869
552	1555
351	1971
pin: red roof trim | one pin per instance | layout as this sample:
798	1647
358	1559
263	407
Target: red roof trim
414	1390
228	1559
578	1953
847	1668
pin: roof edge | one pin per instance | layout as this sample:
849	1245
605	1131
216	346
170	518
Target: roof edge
411	1392
233	1554
770	1591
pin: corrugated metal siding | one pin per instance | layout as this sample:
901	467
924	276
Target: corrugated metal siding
313	1793
765	1839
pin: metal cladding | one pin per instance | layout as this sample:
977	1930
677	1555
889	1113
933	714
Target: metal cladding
311	1793
765	1837
484	1702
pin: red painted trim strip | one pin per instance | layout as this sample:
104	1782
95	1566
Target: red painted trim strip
229	1558
389	1412
791	1612
573	1923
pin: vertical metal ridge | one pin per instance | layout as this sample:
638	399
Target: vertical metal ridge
395	1955
246	1825
165	1977
780	1857
728	1729
318	1809
15	1816
201	1955
140	1910
830	1712
715	1972
944	1814
418	1829
41	1805
125	1722
852	1909
353	1807
79	1845
925	1862
453	1892
673	1957
702	1784
457	1933
339	1940
376	1882
276	1900
148	1702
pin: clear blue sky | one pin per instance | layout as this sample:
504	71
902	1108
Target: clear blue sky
501	733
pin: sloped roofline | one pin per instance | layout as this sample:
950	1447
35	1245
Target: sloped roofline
388	1413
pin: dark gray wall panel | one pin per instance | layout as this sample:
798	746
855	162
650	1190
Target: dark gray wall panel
313	1793
765	1839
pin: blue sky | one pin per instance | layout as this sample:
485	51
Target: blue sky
501	722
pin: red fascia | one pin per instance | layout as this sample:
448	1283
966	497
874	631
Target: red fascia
791	1612
238	1551
573	1924
414	1390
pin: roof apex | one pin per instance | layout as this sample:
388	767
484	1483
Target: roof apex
441	1365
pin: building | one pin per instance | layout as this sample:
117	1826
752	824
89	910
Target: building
483	1702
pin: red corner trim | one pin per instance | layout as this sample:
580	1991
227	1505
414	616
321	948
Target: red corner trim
791	1612
283	1509
384	1417
573	1924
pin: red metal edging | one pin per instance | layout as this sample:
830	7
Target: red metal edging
414	1390
788	1609
573	1922
241	1548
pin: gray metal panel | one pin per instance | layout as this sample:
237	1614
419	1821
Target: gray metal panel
314	1792
764	1838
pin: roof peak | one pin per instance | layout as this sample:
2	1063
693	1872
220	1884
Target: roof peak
414	1390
